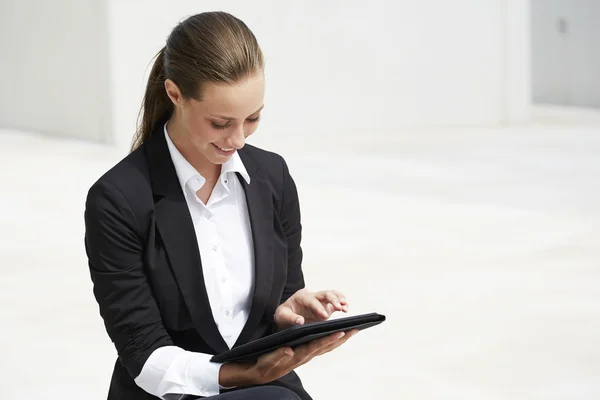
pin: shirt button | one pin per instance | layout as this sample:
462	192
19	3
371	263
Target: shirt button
226	181
223	280
208	216
228	313
215	247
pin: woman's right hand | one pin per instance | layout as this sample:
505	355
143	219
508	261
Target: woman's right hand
274	365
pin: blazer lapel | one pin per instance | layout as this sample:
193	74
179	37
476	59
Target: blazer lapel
175	226
260	211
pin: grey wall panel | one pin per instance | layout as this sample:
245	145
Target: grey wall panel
565	44
54	67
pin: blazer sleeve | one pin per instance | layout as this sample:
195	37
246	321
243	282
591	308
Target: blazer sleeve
292	227
115	257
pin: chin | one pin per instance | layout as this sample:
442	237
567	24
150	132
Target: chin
217	159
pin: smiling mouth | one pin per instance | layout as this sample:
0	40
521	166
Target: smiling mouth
223	150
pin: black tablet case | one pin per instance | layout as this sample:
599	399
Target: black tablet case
296	336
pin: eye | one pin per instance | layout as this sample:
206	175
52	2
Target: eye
253	120
217	126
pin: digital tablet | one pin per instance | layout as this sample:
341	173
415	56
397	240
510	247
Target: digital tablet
297	335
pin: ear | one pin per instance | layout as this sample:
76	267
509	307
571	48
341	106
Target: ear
173	92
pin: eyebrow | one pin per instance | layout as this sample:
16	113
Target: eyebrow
231	118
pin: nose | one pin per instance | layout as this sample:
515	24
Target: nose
237	138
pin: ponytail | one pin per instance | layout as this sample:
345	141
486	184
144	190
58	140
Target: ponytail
156	105
211	47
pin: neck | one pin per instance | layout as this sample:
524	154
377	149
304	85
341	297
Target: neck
181	140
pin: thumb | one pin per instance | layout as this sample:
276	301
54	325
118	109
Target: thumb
287	317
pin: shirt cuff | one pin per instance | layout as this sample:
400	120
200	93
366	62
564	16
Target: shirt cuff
204	374
171	370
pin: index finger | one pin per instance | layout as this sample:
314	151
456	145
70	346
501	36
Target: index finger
340	296
331	297
315	305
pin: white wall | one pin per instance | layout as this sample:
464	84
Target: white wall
334	68
516	77
54	67
353	67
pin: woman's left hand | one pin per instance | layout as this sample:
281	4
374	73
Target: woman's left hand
305	307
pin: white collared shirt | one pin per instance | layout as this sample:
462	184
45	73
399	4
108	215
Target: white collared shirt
224	236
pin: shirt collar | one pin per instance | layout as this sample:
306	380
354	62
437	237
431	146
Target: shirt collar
185	171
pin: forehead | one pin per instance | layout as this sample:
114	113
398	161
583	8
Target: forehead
237	100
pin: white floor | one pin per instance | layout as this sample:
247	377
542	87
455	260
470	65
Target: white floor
480	246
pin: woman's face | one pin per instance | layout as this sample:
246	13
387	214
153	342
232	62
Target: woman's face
218	125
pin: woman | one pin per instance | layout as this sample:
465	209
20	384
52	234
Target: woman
193	239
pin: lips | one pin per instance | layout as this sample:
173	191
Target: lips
224	151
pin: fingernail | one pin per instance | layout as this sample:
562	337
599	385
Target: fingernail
299	320
343	299
289	353
341	335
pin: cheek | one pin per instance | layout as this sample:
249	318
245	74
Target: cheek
201	131
250	129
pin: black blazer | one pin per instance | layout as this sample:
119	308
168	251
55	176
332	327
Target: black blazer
145	263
